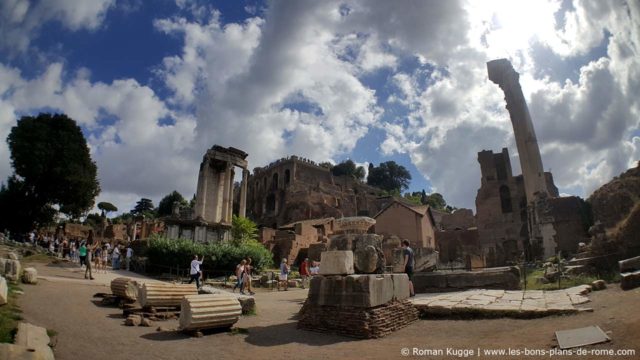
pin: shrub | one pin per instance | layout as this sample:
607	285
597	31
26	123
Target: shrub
218	257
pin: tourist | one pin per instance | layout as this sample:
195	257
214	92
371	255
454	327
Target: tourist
195	270
129	255
82	252
115	258
315	268
407	255
284	275
105	257
240	269
87	270
247	276
304	272
97	255
52	248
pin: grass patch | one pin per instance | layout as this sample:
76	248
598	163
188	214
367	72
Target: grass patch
238	331
51	333
9	316
566	282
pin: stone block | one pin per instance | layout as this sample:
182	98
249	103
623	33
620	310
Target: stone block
336	263
35	339
425	259
355	290
30	276
598	285
133	320
629	265
400	286
367	260
12	270
247	302
630	280
507	278
3	263
4	291
13	256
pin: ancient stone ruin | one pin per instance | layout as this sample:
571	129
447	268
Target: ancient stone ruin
361	305
210	220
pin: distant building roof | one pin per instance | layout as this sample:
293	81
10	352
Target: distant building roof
418	209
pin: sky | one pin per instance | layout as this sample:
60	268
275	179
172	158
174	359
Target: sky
153	84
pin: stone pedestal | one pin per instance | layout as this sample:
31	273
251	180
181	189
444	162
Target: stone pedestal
362	306
12	270
30	276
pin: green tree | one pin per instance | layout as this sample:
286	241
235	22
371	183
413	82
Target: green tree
20	210
348	168
53	168
165	207
436	201
106	207
389	176
326	164
94	220
144	206
243	229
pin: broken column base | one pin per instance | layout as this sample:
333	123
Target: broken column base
358	322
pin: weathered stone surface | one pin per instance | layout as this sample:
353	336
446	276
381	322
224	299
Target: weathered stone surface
629	265
13	256
12	270
146	322
133	320
4	291
3	263
366	259
35	339
357	290
336	263
497	278
30	276
598	285
358	322
630	280
247	302
16	352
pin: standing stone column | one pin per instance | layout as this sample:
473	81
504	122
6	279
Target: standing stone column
502	73
243	193
201	197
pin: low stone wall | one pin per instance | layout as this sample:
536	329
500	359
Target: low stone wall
358	322
506	278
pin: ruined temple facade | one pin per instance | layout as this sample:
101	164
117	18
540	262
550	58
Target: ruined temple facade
522	214
295	189
211	217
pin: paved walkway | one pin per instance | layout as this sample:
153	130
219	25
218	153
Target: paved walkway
76	275
496	303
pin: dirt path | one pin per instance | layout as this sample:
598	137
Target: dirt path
89	331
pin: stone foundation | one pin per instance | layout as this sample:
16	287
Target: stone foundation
358	322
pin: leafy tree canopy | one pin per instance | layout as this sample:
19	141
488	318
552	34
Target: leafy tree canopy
53	168
144	207
106	207
389	176
434	200
349	168
165	206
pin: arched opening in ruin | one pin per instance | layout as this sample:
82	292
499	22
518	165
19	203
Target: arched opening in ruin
287	177
274	181
271	203
505	199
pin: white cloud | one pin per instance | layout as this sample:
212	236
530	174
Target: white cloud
21	20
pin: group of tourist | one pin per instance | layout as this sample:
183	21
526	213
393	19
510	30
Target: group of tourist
243	276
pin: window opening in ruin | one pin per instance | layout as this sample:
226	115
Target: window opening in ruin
505	199
287	176
274	181
501	169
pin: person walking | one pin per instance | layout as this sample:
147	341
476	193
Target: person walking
304	272
195	270
97	255
115	258
240	268
87	270
284	275
247	276
82	252
105	257
408	256
129	255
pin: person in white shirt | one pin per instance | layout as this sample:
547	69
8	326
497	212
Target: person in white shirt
195	270
115	258
129	256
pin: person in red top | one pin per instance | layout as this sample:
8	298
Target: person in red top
304	272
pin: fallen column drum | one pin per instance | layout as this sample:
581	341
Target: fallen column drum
125	288
209	311
164	294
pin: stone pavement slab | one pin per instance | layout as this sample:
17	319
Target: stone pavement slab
492	303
